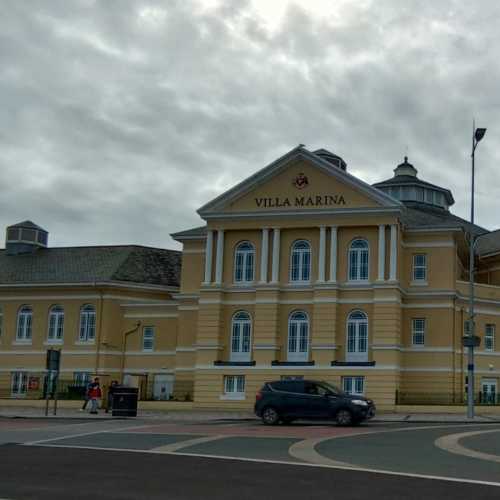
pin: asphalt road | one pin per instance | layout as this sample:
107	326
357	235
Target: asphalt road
65	473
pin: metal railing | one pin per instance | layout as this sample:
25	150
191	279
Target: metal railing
444	399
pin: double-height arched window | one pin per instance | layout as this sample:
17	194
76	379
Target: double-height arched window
24	324
358	260
357	337
244	262
300	261
298	336
241	336
87	324
56	323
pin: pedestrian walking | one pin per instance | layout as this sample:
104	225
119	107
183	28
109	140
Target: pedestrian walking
95	394
86	396
111	392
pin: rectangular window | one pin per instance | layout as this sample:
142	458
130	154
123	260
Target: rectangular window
81	379
148	338
418	331
489	338
420	267
234	386
467	327
354	385
19	383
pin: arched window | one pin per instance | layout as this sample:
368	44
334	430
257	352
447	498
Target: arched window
241	332
300	261
357	336
358	260
24	322
87	323
56	323
244	258
298	336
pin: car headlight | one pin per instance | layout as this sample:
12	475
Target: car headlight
359	402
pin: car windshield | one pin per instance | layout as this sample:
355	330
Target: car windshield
331	388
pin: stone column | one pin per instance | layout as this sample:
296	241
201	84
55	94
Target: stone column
208	257
276	256
394	253
321	254
333	254
264	255
219	258
381	253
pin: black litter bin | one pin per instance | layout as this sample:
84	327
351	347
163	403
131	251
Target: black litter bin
125	401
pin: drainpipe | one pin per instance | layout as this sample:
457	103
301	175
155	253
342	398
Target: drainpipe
124	348
99	332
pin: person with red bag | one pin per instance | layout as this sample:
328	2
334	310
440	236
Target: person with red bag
95	394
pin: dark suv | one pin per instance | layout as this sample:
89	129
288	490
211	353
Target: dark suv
288	400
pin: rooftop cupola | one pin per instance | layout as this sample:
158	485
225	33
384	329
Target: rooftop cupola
331	158
405	186
405	168
25	237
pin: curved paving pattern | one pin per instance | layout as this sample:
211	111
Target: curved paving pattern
451	444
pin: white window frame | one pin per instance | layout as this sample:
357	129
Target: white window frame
82	379
358	259
298	336
354	384
357	337
24	331
148	339
19	384
241	336
489	337
422	267
244	263
55	328
418	329
87	326
300	262
234	387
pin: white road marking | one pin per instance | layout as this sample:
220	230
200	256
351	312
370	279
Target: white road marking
296	464
306	450
451	444
190	442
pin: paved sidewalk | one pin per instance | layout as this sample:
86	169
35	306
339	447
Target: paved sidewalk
205	416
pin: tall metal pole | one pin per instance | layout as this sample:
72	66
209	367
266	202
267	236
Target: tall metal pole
470	355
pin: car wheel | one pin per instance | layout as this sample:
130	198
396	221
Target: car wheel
344	417
270	416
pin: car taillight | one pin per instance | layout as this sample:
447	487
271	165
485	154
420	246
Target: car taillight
258	396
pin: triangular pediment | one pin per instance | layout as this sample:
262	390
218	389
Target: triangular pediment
299	180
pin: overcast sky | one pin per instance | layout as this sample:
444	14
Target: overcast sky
120	118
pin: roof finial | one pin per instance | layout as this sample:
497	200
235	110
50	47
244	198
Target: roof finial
406	159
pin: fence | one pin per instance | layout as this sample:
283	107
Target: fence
444	399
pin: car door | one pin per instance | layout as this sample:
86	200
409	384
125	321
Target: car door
315	401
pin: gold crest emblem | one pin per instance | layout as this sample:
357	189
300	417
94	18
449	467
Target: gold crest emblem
301	181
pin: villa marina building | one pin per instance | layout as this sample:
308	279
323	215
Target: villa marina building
301	270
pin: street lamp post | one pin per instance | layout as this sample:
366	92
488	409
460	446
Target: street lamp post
477	135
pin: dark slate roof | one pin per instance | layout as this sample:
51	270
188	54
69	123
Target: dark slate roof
196	232
28	224
400	180
131	263
421	215
488	244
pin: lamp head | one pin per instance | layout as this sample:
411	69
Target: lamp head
479	134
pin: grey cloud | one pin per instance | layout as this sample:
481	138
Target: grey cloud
115	128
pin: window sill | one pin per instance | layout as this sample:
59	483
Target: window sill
244	284
419	283
299	283
352	363
234	363
53	342
83	342
358	282
22	342
292	363
233	397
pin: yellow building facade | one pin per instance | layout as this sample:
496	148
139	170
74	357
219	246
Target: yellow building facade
301	270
